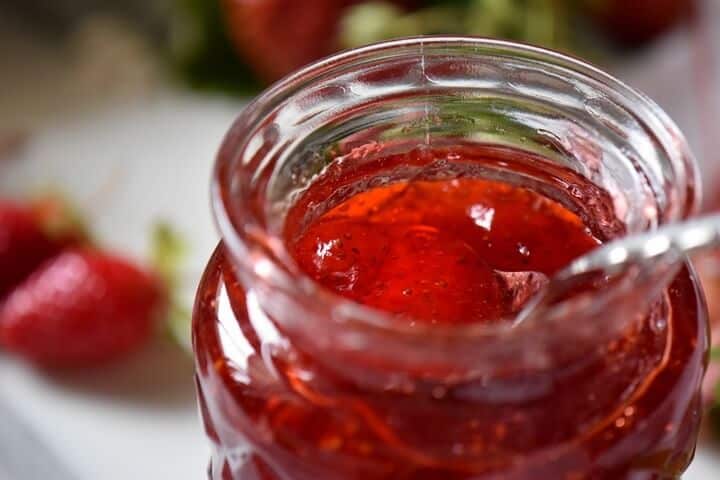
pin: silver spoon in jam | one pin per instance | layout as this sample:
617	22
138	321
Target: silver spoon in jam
631	270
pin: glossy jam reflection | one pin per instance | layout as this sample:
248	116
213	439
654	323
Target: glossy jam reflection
431	250
428	250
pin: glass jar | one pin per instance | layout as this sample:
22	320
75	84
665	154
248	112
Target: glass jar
298	383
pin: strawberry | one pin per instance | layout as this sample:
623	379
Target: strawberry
638	21
277	36
24	244
81	308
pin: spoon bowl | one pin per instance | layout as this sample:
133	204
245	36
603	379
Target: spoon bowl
643	264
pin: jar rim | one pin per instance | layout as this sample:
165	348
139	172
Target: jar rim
242	231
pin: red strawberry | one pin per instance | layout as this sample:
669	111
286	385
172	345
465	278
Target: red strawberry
24	244
81	308
638	21
278	36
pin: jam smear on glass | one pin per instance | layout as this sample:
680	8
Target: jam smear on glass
440	251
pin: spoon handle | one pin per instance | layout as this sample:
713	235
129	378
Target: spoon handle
700	233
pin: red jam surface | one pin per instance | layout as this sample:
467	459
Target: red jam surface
429	250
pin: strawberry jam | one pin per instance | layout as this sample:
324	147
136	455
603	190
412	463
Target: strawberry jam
430	250
449	245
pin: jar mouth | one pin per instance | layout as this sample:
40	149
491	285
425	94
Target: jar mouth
271	125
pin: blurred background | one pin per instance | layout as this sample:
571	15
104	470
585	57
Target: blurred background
117	109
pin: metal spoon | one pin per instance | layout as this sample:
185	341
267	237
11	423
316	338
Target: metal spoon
643	265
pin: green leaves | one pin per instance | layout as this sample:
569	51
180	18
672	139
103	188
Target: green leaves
169	252
542	22
714	414
715	354
200	51
373	21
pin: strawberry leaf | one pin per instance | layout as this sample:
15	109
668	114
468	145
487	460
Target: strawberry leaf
200	50
714	413
715	354
714	417
59	218
543	22
179	325
169	252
